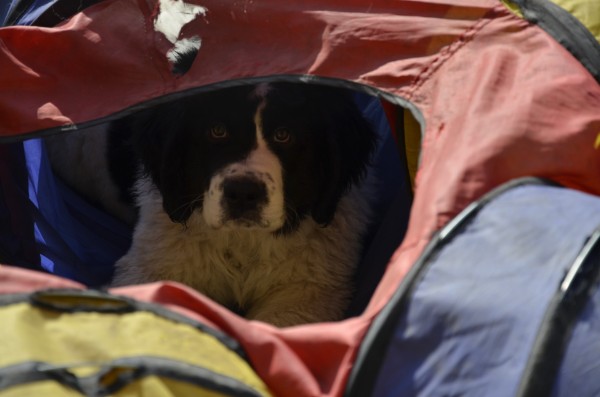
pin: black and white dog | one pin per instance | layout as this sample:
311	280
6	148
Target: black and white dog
254	195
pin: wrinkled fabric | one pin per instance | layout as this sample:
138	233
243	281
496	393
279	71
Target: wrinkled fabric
471	323
497	99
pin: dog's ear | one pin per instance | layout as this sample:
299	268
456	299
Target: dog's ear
347	144
162	150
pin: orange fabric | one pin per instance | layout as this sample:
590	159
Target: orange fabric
500	100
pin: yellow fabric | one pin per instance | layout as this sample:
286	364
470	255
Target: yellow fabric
412	142
91	338
587	11
513	7
158	387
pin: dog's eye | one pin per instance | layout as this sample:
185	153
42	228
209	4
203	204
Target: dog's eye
282	135
218	131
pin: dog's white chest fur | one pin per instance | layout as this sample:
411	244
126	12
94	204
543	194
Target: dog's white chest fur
308	271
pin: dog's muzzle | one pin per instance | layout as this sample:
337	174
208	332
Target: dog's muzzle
243	199
246	194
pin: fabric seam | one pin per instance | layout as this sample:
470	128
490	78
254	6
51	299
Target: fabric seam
447	52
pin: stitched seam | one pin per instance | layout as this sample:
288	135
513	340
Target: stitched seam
447	52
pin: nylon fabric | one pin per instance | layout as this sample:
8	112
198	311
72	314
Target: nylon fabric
85	341
587	11
103	337
498	99
471	322
579	366
149	386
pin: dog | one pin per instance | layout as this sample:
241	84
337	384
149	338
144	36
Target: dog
255	195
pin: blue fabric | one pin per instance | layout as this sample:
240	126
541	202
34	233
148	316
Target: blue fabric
28	15
16	244
389	166
579	374
392	203
73	238
472	319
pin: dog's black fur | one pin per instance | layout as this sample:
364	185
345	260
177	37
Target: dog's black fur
328	152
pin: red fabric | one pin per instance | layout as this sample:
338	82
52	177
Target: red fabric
391	114
500	100
16	280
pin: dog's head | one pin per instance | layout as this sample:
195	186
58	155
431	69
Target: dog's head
263	156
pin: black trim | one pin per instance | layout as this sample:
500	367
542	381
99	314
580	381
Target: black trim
372	351
13	299
560	317
176	370
33	371
104	302
566	29
119	373
71	301
307	79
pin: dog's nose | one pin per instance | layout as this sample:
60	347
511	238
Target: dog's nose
244	194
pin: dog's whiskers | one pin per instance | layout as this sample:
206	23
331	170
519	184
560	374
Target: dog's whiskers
190	205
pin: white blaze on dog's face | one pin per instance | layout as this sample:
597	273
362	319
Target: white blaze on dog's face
248	193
